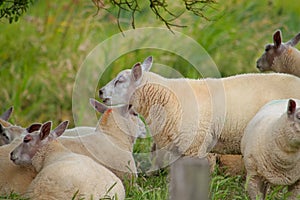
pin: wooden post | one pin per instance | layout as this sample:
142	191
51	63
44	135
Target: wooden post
190	179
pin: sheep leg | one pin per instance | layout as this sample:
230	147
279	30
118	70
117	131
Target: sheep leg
256	187
295	191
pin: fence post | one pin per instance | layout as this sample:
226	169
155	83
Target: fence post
190	179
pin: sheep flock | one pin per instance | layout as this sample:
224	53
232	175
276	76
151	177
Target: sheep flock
249	122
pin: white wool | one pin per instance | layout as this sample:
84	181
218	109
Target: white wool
62	173
189	114
271	148
13	177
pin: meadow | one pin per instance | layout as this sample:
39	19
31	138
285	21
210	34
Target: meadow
42	53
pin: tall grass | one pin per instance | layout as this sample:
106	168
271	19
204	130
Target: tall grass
40	56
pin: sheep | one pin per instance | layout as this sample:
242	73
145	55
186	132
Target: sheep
111	143
281	57
63	174
189	116
88	141
271	148
12	177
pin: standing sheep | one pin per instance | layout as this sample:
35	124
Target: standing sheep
281	57
189	116
271	148
63	174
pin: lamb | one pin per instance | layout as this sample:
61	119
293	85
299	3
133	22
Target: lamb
111	144
189	116
114	123
281	57
271	148
12	177
63	174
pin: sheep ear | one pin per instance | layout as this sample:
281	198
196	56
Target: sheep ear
136	72
100	107
60	129
147	64
33	127
5	116
291	108
45	130
294	41
277	38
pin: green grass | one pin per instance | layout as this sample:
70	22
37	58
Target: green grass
41	54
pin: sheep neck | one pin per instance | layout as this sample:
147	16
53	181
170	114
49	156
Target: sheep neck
160	108
286	136
117	135
47	154
288	61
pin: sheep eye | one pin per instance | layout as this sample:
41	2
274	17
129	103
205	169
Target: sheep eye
116	82
268	47
121	79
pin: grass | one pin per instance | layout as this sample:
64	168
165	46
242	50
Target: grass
41	54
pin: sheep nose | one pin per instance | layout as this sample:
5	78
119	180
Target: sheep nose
101	93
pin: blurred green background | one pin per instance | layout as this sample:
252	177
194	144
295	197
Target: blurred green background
41	54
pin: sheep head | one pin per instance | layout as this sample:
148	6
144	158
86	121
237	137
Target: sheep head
119	90
274	51
293	115
122	117
34	140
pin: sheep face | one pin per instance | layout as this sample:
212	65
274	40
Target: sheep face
32	142
8	134
293	115
274	51
119	90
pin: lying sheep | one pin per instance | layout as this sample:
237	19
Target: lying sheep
188	116
12	177
281	57
63	174
271	148
96	144
111	144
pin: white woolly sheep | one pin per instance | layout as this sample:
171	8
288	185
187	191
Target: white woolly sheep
281	57
271	148
188	116
12	177
111	144
63	174
117	144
